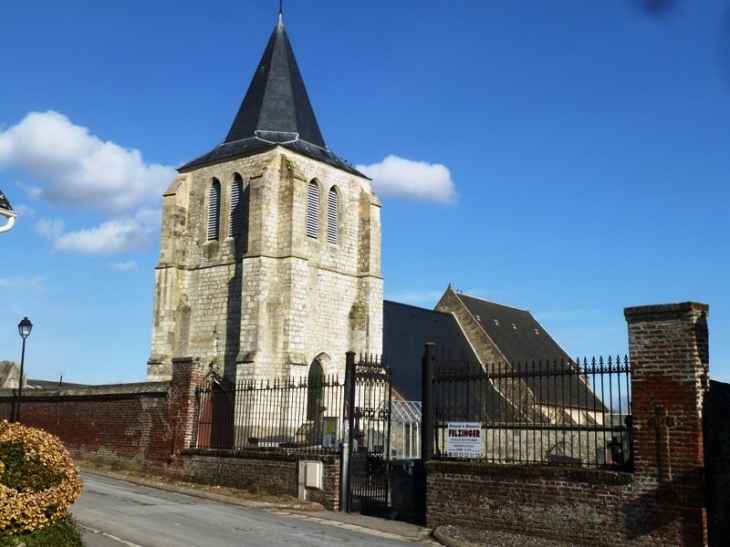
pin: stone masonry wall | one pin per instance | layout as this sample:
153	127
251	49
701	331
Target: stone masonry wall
487	352
262	303
514	390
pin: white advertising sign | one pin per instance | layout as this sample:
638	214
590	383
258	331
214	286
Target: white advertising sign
464	440
329	432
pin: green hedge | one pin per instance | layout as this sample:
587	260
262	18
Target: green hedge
62	533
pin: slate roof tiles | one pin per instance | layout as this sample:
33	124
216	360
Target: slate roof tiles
275	111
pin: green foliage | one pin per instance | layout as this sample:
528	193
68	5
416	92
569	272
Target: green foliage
12	456
61	533
23	471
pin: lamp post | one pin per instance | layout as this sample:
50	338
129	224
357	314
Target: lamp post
24	328
6	211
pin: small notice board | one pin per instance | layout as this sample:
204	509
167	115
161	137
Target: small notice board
329	432
464	440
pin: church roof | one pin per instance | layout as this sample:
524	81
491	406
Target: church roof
275	111
528	347
406	330
517	334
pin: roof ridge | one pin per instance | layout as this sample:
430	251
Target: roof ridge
404	304
459	294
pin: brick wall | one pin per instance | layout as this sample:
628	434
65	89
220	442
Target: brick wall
661	503
578	504
153	425
145	424
259	471
115	422
668	348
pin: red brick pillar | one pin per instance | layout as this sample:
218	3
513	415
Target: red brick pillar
187	375
668	348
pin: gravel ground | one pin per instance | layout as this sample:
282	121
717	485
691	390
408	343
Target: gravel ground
462	536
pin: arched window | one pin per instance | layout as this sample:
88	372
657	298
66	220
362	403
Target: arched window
313	210
315	393
333	206
235	222
214	210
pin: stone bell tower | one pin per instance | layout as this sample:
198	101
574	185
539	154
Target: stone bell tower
270	250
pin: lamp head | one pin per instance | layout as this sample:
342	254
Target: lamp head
24	328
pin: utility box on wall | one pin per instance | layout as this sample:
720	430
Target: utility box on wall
310	476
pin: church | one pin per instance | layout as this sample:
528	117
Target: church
270	245
270	259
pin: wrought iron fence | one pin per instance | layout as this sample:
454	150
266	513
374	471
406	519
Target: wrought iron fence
289	414
542	412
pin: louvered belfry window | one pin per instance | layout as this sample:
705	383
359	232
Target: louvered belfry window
313	210
214	210
333	206
235	224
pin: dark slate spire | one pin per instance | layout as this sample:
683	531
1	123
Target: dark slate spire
277	103
275	110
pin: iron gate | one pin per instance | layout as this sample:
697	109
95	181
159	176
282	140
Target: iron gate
367	408
717	461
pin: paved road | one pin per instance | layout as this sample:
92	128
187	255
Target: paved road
120	514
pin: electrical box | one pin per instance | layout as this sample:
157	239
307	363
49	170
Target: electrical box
310	474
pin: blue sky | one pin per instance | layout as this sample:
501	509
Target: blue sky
569	158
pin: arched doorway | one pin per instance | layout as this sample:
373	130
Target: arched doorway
215	424
315	399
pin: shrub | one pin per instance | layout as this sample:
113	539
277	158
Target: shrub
38	481
65	532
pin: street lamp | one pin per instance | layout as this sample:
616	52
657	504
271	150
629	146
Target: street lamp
6	211
24	328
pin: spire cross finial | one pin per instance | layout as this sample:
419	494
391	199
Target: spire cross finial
281	6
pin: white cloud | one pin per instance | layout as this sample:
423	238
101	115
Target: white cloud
73	168
119	235
49	229
125	266
24	210
399	177
76	168
34	283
